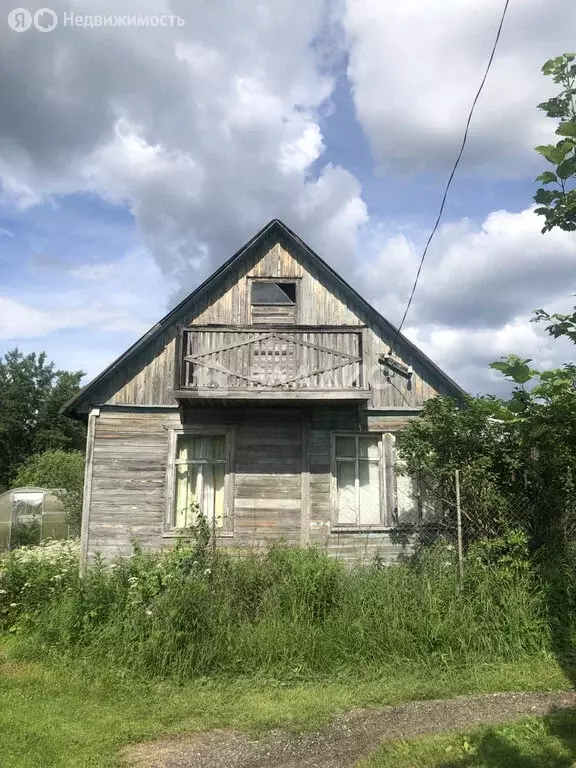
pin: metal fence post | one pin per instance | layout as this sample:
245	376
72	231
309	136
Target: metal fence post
459	524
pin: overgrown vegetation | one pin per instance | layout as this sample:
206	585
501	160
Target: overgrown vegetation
286	614
558	203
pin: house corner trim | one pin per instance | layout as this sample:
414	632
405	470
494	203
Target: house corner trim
87	498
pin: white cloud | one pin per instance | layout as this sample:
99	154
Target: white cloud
205	131
126	296
467	353
477	290
22	321
415	67
474	276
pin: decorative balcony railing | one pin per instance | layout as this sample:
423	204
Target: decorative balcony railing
270	362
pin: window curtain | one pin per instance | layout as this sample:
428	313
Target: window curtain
200	475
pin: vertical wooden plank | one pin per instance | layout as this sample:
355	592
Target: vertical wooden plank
230	481
390	471
170	490
85	529
179	363
300	364
305	481
333	482
383	483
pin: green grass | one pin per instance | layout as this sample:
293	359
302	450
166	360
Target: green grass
547	742
58	718
184	641
288	613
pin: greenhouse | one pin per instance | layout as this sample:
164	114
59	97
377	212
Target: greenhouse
30	515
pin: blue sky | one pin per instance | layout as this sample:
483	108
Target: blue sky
135	161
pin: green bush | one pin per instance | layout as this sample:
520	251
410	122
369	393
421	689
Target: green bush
289	612
33	579
509	553
25	534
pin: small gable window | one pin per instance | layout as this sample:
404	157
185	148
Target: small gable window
273	293
273	302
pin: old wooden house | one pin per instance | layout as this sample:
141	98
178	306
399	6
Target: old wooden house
268	399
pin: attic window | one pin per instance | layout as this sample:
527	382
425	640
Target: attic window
273	293
273	302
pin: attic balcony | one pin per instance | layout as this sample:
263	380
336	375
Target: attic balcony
269	363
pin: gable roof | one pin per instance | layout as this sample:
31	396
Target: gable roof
274	227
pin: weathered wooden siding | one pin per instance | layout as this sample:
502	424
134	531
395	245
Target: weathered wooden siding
149	378
267	471
272	498
129	477
128	481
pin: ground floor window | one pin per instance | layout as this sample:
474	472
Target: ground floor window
358	476
200	479
369	491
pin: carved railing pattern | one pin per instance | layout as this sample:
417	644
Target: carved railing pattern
273	359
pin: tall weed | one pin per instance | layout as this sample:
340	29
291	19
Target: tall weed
289	612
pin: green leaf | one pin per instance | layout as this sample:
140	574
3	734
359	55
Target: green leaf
546	150
567	129
545	196
555	154
547	177
515	369
567	168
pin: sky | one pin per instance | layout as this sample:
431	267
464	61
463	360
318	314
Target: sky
134	160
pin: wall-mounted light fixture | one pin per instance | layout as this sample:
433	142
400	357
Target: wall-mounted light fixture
396	365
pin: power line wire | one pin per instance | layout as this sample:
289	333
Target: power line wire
450	178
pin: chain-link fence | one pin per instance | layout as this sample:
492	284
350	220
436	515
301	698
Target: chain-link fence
467	511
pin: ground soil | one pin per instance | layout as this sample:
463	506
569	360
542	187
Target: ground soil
347	739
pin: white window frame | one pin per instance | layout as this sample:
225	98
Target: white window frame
336	526
388	494
227	529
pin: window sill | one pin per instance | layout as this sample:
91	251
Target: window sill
184	535
362	528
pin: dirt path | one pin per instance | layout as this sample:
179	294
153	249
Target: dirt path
348	738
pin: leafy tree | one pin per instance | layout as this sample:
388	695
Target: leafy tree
476	440
557	202
61	471
516	457
32	392
543	417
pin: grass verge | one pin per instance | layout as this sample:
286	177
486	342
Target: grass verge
58	718
543	742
